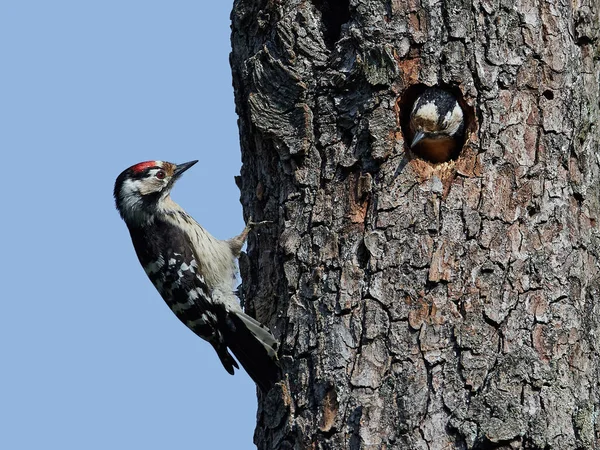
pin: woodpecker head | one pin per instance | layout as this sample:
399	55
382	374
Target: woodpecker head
140	189
436	120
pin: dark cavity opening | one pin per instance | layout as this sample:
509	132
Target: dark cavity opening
548	94
334	13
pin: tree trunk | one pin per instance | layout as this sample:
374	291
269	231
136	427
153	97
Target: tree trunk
420	305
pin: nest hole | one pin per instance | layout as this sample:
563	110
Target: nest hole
548	94
405	104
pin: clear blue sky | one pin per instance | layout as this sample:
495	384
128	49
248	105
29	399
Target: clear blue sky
90	356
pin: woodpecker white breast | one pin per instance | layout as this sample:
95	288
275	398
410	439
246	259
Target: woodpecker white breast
192	270
436	124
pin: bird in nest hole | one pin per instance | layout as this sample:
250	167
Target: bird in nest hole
436	125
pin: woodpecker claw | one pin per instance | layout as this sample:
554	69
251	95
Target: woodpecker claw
252	224
237	242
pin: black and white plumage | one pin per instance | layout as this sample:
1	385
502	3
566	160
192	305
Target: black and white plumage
193	271
437	125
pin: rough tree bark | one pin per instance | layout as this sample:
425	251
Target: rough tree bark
423	306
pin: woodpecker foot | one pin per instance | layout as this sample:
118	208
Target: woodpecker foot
251	224
237	242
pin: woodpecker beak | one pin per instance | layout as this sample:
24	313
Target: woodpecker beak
417	138
180	168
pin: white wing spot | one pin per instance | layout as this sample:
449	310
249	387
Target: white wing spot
184	268
155	266
179	307
193	323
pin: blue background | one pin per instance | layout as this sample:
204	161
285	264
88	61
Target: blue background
90	356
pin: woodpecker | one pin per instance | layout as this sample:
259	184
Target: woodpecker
193	271
436	124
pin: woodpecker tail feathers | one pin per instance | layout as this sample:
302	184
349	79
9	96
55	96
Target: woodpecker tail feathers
254	347
226	358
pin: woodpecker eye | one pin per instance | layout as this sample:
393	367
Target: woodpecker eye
161	175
